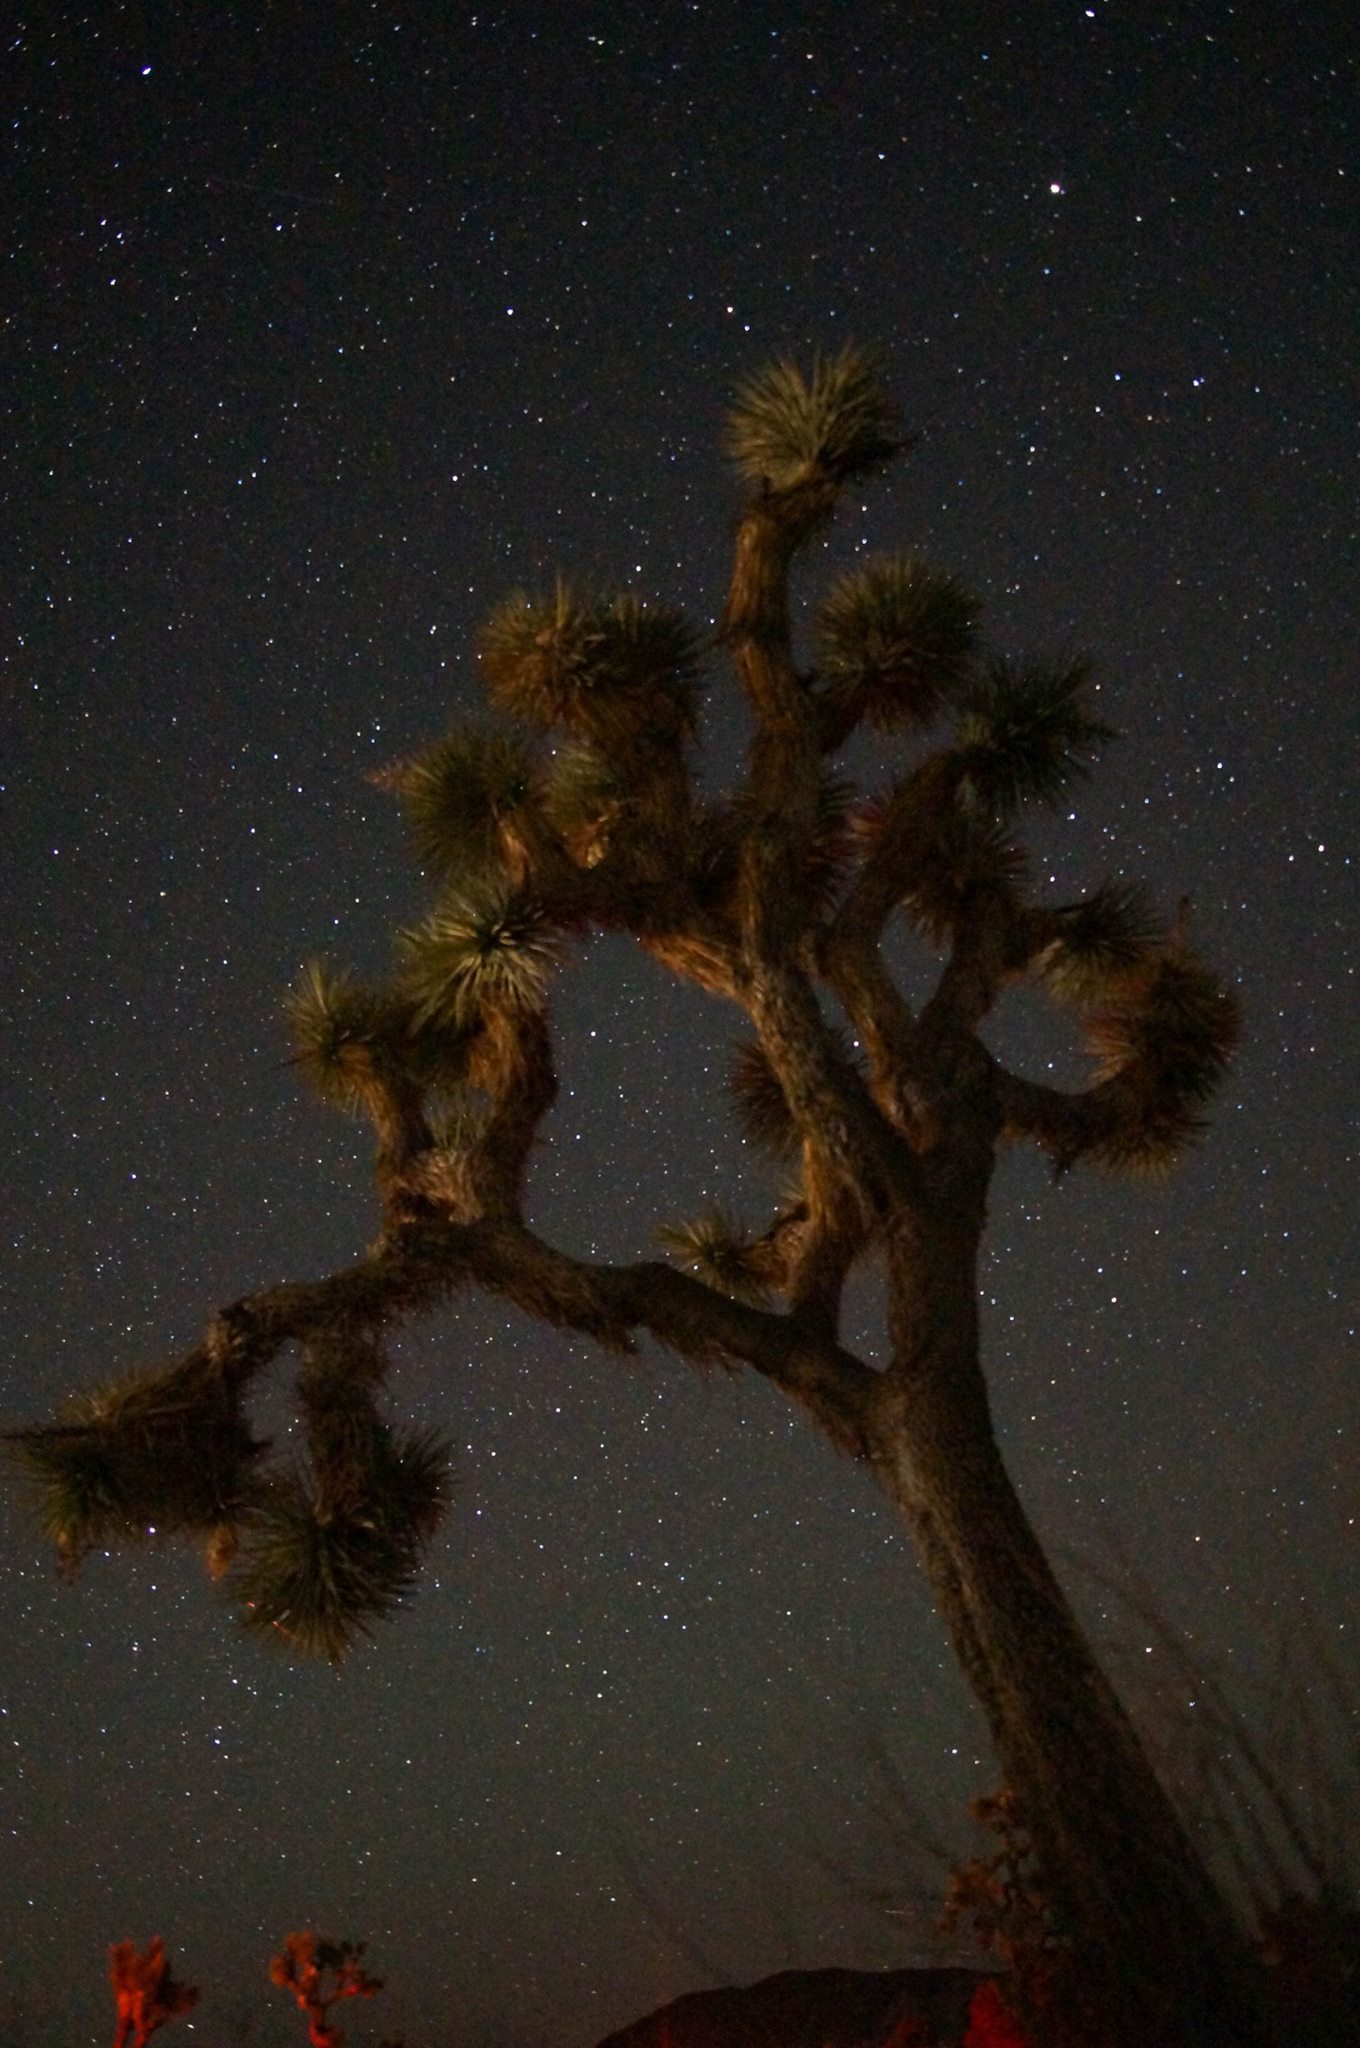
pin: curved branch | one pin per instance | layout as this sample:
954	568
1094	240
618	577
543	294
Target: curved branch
823	1254
701	949
827	1098
1068	1124
701	1325
514	1063
418	1265
850	963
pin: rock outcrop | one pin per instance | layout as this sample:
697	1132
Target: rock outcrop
815	2009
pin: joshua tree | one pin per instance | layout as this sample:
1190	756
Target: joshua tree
320	1974
145	1994
577	811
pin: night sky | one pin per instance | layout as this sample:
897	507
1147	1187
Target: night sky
324	327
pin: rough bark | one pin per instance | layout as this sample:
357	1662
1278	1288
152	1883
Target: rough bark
1156	1940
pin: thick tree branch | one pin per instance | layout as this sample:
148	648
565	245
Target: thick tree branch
703	1326
880	1015
825	1097
823	1254
419	1265
516	1067
1069	1123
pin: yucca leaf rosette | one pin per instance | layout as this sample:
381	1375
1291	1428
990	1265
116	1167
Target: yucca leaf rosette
1098	942
1026	735
349	1038
1172	1022
163	1451
603	668
1163	1038
894	642
762	1107
942	859
490	947
584	796
468	800
965	862
716	1246
332	1546
787	429
318	1574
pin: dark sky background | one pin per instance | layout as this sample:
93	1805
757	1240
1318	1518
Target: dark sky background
325	326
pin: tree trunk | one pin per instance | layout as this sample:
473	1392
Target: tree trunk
1157	1942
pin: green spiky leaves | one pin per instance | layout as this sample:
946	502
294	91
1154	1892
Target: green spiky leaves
965	863
584	797
894	641
160	1452
716	1246
322	1563
1098	942
316	1555
468	800
374	1050
944	861
494	948
1164	1036
1025	736
607	669
349	1038
762	1106
1172	1023
788	429
328	1550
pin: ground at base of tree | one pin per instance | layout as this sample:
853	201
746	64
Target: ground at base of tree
816	2009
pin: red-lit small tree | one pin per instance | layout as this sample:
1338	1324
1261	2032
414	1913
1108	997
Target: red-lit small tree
1039	1999
320	1974
146	1995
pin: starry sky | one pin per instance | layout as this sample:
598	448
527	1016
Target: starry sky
323	327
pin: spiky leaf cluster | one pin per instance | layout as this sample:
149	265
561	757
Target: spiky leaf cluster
1150	1146
830	841
718	1248
583	797
715	844
1099	942
946	859
894	641
787	429
349	1038
761	1104
1170	1027
157	1452
650	648
462	796
494	947
964	863
603	668
327	1556
1026	735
